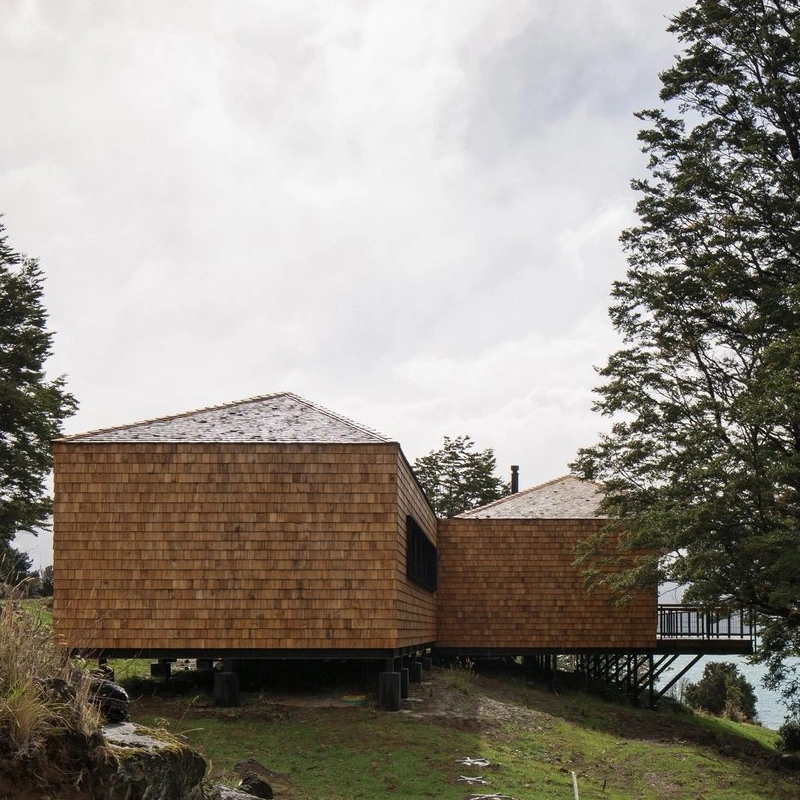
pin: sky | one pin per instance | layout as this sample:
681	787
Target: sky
407	212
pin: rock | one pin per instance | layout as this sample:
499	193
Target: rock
790	761
226	793
110	698
102	671
255	786
150	766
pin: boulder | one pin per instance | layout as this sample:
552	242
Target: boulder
256	787
226	793
151	766
110	698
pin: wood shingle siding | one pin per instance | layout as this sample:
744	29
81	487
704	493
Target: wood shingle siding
273	526
416	606
234	546
510	583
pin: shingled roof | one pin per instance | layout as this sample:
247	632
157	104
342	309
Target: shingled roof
567	497
281	417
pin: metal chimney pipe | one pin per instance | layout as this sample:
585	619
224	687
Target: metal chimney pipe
514	479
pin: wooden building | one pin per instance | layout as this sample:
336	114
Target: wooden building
508	585
274	528
268	527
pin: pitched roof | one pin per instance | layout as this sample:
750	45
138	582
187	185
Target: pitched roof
281	417
567	497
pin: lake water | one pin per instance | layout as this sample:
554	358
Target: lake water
769	705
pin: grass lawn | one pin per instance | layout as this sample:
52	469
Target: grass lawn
321	747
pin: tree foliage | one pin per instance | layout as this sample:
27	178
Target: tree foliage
32	408
457	477
46	581
702	463
723	691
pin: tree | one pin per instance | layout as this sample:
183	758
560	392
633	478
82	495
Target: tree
15	566
31	407
457	478
46	581
723	691
702	463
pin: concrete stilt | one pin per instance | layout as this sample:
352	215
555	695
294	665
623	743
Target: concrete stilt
389	691
226	689
404	683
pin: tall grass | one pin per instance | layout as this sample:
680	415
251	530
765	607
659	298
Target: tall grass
42	694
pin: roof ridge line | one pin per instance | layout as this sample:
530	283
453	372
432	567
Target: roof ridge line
339	417
169	417
514	494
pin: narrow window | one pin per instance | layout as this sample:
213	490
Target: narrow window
420	555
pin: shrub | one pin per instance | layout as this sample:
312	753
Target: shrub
41	693
460	676
789	735
722	691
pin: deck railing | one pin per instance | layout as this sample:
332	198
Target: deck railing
690	622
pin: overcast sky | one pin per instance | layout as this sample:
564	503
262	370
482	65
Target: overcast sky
404	210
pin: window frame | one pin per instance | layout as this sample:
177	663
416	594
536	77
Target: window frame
421	556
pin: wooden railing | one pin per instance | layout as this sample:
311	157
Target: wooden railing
690	622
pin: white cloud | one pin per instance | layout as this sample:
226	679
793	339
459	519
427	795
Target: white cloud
405	211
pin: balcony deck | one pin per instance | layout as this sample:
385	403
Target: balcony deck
690	630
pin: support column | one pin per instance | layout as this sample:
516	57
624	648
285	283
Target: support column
226	689
404	682
389	691
161	669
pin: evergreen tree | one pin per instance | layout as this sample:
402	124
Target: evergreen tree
702	464
46	581
31	407
457	478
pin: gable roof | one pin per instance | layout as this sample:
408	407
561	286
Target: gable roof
567	497
281	417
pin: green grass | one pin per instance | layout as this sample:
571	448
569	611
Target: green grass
41	608
719	725
617	752
126	669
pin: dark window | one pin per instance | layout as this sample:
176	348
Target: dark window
421	555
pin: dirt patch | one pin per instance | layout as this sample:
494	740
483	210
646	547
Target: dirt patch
486	706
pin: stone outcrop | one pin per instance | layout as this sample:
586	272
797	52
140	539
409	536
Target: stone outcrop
152	766
124	762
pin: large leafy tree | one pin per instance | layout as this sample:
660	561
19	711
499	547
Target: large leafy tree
32	407
702	462
457	477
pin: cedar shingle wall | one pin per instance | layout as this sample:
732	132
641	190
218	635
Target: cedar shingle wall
416	611
226	545
510	583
